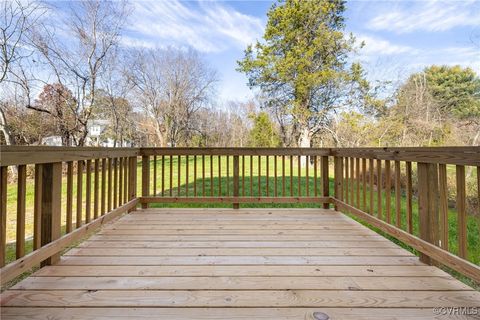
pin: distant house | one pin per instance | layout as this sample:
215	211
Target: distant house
53	141
95	129
95	137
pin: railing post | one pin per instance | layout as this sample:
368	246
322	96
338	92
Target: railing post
3	214
145	179
338	178
51	206
236	180
325	180
132	179
428	205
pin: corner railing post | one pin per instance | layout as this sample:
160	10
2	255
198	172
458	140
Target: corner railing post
325	180
236	180
132	179
338	178
145	179
51	206
428	205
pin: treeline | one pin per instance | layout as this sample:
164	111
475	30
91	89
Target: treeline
58	81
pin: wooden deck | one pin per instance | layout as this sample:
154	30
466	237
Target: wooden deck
236	264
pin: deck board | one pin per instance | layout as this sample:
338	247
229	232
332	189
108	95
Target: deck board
236	264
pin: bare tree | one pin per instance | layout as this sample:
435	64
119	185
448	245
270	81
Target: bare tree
95	28
172	86
17	19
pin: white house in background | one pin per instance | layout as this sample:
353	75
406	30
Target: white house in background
94	137
53	141
95	129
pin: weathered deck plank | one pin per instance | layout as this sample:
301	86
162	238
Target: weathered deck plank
242	264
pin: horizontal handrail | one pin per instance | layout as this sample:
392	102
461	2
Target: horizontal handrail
405	192
18	155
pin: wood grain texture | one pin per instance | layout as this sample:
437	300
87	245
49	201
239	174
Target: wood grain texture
235	264
263	313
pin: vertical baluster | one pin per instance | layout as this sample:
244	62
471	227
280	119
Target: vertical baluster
307	179
352	180
155	175
219	176
370	169
388	189
283	176
443	205
203	175
228	175
409	191
236	182
338	176
3	214
79	193
267	168
171	176
179	171
291	176
126	170
259	170
145	179
103	187
251	176
211	175
163	176
110	185
187	164
357	180
88	191
478	191
398	204
194	175
21	197
69	226
380	187
120	181
243	175
364	184
37	209
275	176
115	183
461	212
96	183
347	198
325	180
299	175
315	184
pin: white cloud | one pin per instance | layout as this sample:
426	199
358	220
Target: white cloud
429	15
204	26
377	46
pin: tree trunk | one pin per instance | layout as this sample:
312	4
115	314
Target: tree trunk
4	128
304	141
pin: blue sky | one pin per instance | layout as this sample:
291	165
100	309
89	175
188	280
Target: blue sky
400	36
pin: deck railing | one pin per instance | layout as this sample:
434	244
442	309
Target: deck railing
404	192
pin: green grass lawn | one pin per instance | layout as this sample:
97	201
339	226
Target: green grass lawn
219	184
